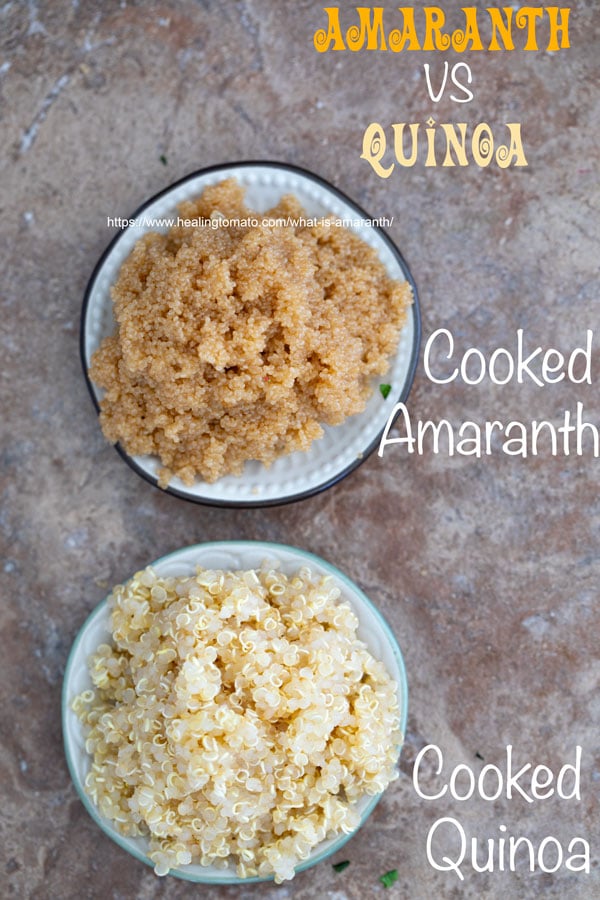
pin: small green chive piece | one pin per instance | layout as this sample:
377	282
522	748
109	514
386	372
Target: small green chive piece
339	867
385	390
163	159
389	878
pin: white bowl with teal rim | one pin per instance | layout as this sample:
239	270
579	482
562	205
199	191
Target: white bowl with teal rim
342	447
228	555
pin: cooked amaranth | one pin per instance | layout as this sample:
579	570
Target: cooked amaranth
238	342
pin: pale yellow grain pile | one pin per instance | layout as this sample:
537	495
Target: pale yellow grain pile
236	718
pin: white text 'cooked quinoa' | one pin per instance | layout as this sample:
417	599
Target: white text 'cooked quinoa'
236	718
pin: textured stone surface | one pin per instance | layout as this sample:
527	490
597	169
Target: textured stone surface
487	570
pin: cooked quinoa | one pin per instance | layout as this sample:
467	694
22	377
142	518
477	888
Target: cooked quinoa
236	718
239	342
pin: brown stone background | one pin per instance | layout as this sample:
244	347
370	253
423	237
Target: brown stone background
487	570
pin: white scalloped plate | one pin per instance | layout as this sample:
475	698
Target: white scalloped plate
341	448
232	555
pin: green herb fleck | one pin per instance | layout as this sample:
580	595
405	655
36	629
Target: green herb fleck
339	867
385	389
389	878
163	159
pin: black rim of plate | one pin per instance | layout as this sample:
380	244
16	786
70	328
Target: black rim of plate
415	310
